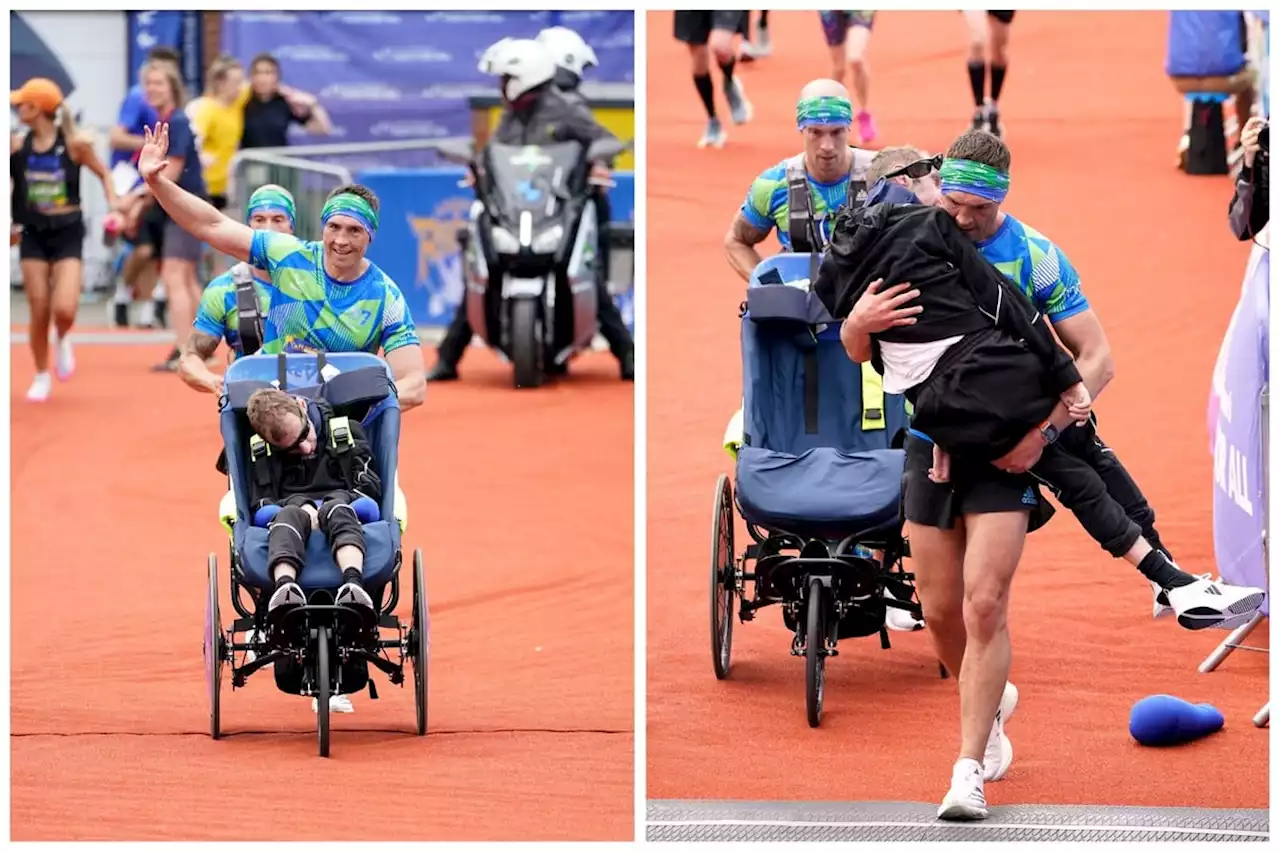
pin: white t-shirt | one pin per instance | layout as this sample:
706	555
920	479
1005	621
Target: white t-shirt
908	364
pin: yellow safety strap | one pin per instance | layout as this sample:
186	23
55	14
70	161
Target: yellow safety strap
872	398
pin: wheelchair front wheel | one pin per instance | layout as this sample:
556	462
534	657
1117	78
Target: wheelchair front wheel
815	652
322	688
723	582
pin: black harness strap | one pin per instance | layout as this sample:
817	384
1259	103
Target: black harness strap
247	309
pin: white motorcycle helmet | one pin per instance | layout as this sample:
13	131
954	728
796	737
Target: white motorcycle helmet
522	63
568	50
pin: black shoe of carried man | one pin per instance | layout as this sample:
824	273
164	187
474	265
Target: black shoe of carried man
287	596
353	595
443	372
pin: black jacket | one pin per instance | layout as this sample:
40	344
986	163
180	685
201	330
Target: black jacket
320	474
960	291
547	119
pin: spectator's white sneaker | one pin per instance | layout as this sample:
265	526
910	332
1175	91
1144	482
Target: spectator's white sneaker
337	704
41	387
66	360
965	800
999	753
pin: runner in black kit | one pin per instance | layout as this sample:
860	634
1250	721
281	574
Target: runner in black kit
45	174
707	33
988	45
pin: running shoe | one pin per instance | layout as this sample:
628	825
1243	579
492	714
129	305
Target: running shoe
286	595
353	594
979	119
993	121
41	387
866	127
713	136
337	704
1206	603
740	109
900	619
999	753
965	800
66	359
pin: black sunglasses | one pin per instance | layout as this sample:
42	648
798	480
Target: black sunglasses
918	169
303	435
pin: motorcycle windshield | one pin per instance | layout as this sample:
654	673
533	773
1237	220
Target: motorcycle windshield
532	178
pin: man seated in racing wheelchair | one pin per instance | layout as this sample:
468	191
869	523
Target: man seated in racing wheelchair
309	471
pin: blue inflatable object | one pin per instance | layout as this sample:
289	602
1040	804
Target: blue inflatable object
1204	44
365	507
1163	720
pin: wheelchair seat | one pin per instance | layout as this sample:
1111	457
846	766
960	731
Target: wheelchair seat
818	452
357	385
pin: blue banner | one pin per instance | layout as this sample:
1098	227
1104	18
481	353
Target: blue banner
421	212
1236	429
178	30
388	75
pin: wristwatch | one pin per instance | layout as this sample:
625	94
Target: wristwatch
1049	432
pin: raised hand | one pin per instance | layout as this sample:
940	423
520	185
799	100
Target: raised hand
155	148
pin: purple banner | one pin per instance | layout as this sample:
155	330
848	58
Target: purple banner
392	75
1236	430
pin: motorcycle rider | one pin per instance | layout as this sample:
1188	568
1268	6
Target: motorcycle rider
536	111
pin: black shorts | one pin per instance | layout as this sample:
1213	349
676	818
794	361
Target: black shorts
976	488
695	27
151	230
53	244
1002	17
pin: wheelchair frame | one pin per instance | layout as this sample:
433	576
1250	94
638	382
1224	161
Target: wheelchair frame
825	581
320	636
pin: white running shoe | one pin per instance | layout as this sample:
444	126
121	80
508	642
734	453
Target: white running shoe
41	387
286	594
352	594
337	704
66	359
714	136
965	800
1206	603
999	754
900	619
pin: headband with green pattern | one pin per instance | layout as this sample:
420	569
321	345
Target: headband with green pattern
350	204
824	110
974	178
272	198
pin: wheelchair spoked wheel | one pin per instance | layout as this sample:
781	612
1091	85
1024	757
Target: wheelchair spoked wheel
322	688
815	652
723	582
213	650
420	642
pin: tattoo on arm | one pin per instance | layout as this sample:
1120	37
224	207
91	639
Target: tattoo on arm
202	345
747	233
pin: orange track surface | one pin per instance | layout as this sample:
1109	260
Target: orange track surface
522	505
1093	124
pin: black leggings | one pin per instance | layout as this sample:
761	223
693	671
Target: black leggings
289	530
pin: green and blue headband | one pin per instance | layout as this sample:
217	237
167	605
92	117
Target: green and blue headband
349	204
974	178
272	199
824	110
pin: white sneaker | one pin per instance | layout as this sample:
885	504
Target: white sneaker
965	800
999	754
66	359
900	619
337	704
1206	603
41	387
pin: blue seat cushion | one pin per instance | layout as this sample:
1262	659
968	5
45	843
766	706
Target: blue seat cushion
821	488
381	541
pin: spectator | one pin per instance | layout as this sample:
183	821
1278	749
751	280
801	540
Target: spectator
1250	207
274	106
218	121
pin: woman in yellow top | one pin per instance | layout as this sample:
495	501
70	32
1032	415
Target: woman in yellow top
218	121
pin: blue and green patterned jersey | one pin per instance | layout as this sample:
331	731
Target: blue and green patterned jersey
304	310
768	207
1038	267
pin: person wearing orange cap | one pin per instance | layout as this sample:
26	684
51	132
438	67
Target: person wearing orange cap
48	223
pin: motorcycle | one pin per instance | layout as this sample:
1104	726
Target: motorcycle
531	252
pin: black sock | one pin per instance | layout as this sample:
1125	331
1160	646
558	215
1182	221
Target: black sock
353	575
282	579
702	82
997	81
764	20
727	70
978	81
1157	568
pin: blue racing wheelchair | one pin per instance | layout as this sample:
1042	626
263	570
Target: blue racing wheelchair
819	479
319	649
